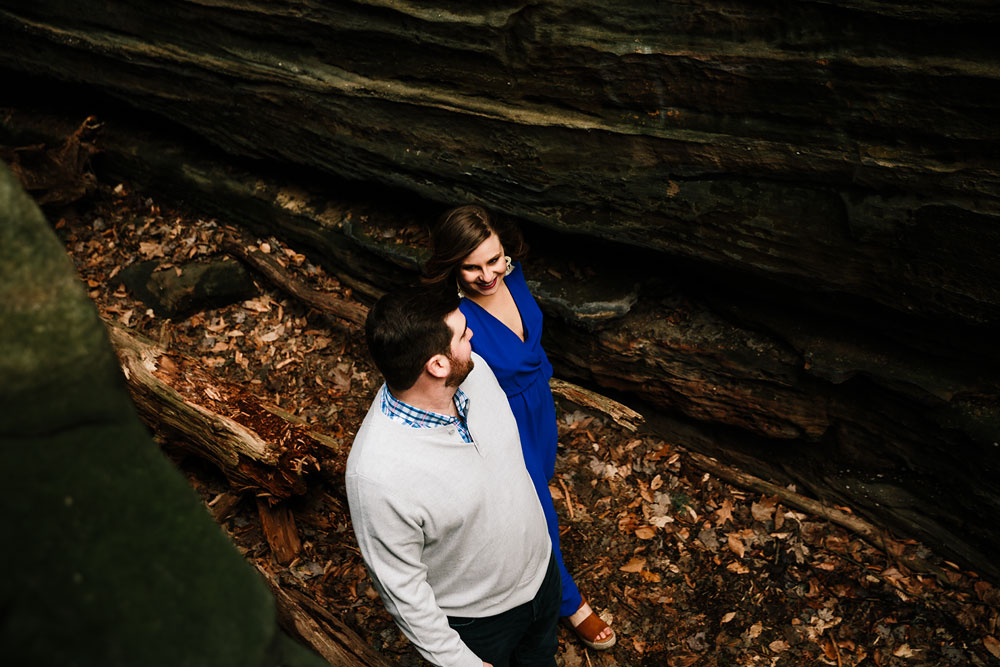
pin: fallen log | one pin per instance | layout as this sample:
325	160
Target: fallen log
217	420
328	304
317	627
620	413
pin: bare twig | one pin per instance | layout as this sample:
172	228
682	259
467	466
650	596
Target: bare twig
566	497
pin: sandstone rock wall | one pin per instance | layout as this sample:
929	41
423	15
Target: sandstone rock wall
841	146
805	194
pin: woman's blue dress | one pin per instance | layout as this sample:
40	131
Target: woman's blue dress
523	371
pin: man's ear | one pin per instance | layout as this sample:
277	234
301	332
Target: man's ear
438	366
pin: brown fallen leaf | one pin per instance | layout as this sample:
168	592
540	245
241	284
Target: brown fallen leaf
763	510
736	544
645	532
634	565
903	651
992	645
628	523
724	513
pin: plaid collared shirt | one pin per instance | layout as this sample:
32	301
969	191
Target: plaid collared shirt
405	413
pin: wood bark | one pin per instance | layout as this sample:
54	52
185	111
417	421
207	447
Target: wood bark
330	305
619	413
255	448
324	632
278	525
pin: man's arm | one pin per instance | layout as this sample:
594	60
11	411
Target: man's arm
391	544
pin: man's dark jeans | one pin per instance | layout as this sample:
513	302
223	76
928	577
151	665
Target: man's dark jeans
524	636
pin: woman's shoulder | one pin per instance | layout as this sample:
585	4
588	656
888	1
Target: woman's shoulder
516	275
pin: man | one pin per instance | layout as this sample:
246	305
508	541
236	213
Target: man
444	511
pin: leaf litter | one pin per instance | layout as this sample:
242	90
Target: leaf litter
688	569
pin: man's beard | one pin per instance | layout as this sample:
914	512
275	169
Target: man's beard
458	371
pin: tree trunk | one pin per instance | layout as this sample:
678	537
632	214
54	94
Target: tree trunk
318	628
253	447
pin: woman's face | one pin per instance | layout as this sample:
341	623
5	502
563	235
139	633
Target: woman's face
483	269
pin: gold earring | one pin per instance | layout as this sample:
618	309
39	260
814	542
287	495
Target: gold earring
510	265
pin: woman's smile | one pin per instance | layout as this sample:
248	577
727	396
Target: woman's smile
487	286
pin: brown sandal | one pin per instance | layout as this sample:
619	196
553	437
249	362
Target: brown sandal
589	628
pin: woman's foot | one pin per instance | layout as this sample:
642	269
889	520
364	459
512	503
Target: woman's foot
591	630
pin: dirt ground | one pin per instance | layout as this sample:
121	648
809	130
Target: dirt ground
688	569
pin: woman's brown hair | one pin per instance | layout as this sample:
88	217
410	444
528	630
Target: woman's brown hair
460	231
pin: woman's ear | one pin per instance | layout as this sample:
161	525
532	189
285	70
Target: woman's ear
438	366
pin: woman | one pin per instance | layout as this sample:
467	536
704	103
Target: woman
472	252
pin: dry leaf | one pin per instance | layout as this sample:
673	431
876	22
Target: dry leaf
644	492
256	305
634	565
736	544
754	630
778	645
992	645
903	651
662	452
645	532
628	523
829	650
763	510
274	334
150	249
728	617
725	513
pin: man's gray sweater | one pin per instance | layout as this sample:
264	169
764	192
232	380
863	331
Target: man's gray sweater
447	528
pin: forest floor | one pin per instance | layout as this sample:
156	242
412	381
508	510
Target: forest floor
688	569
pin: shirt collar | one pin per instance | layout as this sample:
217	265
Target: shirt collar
413	416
